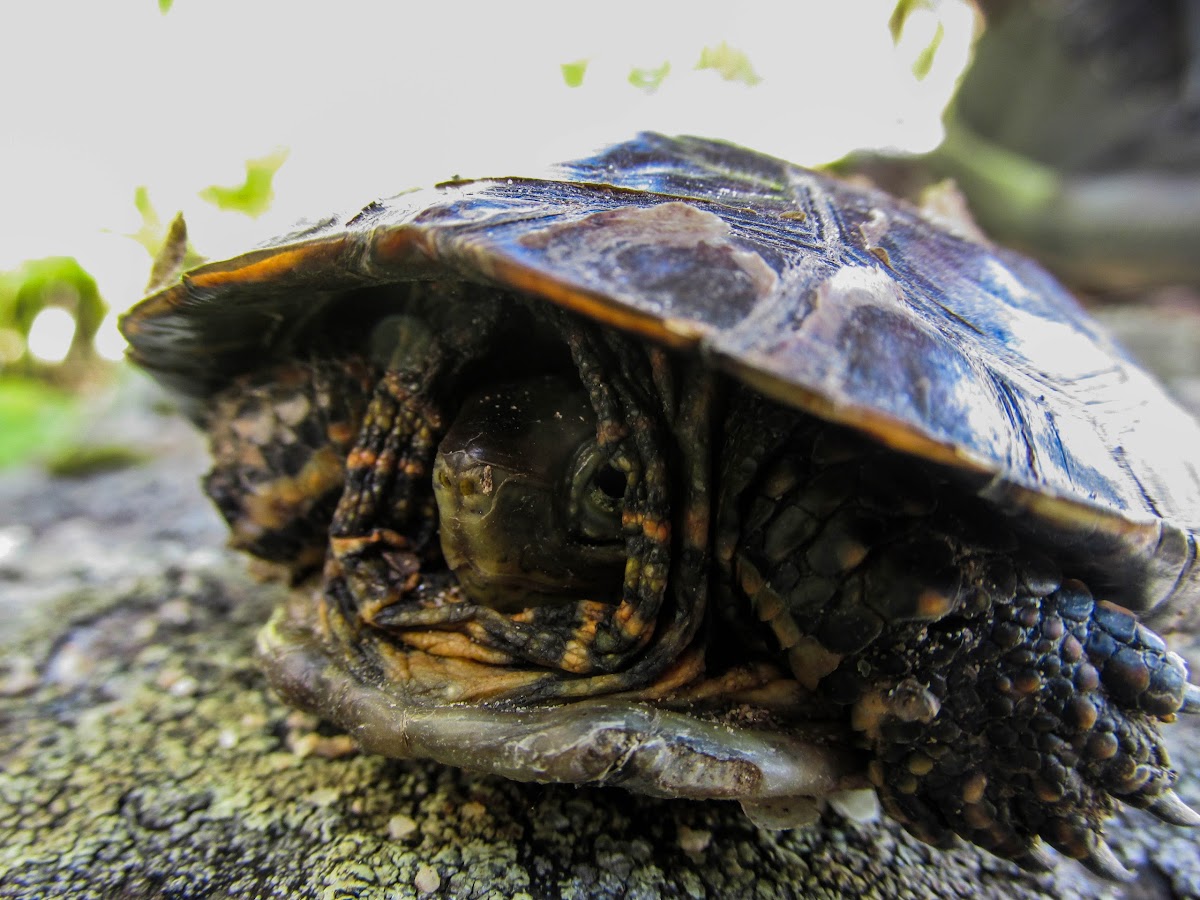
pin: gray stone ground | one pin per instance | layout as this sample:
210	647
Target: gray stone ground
141	755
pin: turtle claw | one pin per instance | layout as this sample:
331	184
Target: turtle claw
1170	809
1075	692
1038	858
1191	700
1103	862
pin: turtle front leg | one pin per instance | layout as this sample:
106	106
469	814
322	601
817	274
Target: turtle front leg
383	524
1001	703
1025	716
383	530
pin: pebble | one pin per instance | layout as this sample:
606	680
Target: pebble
427	879
399	827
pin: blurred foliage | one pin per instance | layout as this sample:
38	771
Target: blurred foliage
901	13
57	281
82	460
1073	136
35	418
35	394
900	16
649	79
924	60
254	195
40	394
38	408
151	233
730	63
573	72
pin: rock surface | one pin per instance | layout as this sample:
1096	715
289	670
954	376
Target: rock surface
142	756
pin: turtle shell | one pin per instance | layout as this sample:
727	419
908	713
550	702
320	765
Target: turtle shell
830	297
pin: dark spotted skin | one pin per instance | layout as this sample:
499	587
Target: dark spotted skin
1038	732
279	439
1001	702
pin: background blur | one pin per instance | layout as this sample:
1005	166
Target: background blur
247	115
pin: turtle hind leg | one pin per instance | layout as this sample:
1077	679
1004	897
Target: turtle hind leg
1024	719
279	439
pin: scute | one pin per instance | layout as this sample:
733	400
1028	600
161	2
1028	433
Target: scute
832	298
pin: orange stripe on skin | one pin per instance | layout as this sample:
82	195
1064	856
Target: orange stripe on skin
687	669
324	627
362	458
593	611
611	433
743	679
454	679
656	529
636	627
453	644
342	546
370	608
382	536
577	654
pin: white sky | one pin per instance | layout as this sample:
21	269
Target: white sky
369	98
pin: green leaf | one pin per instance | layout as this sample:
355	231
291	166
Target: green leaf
924	61
151	232
899	19
164	6
573	72
903	9
35	419
52	281
648	80
730	63
253	196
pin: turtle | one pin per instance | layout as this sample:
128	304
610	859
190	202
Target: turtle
689	470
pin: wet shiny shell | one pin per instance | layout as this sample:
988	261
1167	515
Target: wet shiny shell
833	298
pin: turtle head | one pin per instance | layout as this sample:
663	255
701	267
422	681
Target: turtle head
529	502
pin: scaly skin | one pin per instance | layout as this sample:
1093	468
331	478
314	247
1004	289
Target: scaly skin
1002	702
279	440
381	529
1036	715
997	699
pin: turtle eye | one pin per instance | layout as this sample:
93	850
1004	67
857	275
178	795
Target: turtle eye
597	493
610	482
